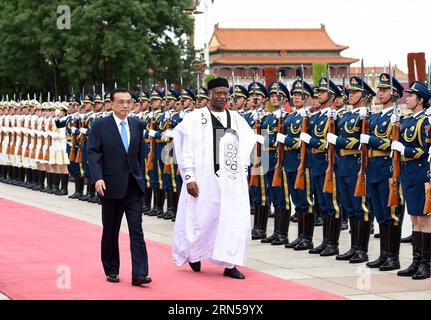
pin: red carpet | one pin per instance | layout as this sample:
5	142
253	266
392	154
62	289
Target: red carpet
35	242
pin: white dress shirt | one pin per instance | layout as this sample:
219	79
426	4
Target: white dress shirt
118	123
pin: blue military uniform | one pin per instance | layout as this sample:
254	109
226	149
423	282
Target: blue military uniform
348	165
301	198
327	202
415	173
259	193
279	196
379	171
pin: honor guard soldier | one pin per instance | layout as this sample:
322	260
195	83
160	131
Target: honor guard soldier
379	172
258	192
414	145
239	98
144	99
152	164
278	192
85	125
2	137
302	198
202	98
316	141
346	140
163	123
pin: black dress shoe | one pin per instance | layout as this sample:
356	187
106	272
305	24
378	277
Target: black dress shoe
196	266
233	273
113	278
137	281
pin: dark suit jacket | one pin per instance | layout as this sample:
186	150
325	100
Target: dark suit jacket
108	159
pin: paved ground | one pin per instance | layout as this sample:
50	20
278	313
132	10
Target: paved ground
341	278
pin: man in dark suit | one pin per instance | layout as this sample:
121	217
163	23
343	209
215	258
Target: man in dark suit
115	150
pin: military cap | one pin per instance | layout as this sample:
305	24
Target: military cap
144	96
98	98
187	94
107	97
240	91
385	82
156	94
297	88
88	99
202	93
257	88
420	89
333	89
282	89
356	84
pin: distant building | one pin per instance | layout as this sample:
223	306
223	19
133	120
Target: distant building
269	50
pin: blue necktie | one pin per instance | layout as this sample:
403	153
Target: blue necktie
124	135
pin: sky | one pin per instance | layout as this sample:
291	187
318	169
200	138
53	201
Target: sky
379	31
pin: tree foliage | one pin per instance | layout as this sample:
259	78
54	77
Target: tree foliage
109	41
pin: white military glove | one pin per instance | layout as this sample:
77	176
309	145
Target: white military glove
363	113
394	118
260	139
151	115
303	112
152	133
83	130
429	152
74	130
305	137
45	134
281	137
256	116
167	115
182	114
278	114
398	146
169	133
364	139
332	138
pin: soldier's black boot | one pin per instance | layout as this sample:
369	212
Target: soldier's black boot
171	206
277	222
308	231
76	194
56	183
262	223
322	246
94	198
147	201
86	196
424	268
64	179
300	218
1	174
383	248
161	203
283	227
164	213
417	256
256	218
354	225
35	174
48	182
177	198
361	254
334	226
153	211
393	260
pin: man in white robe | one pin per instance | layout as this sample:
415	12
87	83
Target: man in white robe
213	147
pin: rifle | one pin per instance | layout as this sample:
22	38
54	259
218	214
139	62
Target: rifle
427	206
78	158
277	179
150	161
233	99
300	178
168	167
46	158
19	152
42	128
255	174
393	198
328	185
72	154
361	182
